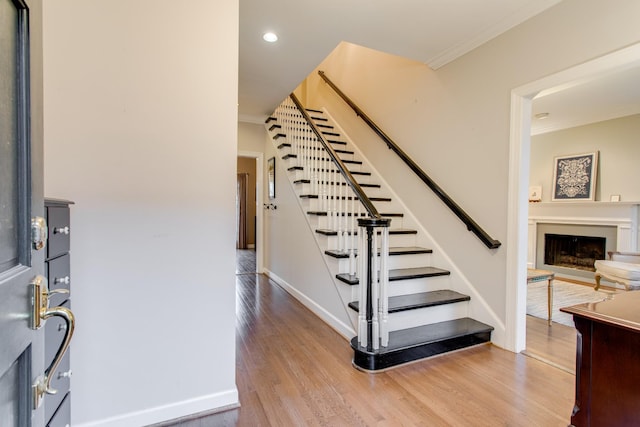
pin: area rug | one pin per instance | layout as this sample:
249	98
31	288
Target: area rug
565	294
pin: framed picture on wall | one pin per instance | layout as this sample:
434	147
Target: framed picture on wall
574	177
271	177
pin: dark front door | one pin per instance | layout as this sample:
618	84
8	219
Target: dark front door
21	200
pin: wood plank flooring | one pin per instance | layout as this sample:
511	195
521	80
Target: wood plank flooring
293	370
555	345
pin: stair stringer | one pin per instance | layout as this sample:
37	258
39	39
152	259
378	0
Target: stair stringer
477	306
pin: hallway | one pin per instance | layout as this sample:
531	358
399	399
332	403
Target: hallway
293	370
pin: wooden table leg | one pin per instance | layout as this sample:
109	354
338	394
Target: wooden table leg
550	300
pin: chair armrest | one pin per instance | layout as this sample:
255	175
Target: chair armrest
631	257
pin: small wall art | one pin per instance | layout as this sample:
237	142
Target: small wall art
574	177
535	193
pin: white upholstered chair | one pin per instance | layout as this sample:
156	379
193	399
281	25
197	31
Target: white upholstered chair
621	267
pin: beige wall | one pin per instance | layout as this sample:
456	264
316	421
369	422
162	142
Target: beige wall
248	165
619	152
455	121
140	131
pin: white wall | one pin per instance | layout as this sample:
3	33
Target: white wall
292	256
140	131
616	141
251	137
455	121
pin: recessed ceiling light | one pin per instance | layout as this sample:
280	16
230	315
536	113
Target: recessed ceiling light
541	116
270	37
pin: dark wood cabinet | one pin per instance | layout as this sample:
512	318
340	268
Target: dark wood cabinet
607	362
57	268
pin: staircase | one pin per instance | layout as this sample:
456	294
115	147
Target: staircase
425	316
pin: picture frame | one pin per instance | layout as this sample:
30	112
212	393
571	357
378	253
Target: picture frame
574	177
535	193
271	177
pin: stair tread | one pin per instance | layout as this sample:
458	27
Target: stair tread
400	250
328	232
301	168
373	199
411	344
419	300
400	274
325	159
361	184
325	213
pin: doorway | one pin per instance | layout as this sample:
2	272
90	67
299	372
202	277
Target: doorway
520	147
249	240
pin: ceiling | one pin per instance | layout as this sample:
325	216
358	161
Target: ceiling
607	97
431	31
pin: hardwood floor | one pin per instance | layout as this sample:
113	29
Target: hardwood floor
555	345
293	370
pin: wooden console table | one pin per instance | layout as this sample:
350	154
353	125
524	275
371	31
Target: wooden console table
534	275
607	368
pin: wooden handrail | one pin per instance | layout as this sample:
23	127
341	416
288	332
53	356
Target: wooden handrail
472	226
364	199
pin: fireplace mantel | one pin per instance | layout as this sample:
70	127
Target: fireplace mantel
622	215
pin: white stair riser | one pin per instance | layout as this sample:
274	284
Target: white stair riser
423	284
395	240
395	261
427	315
325	222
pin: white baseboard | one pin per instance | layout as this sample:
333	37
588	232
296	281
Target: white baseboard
222	401
340	327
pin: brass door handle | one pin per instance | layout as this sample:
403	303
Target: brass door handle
41	312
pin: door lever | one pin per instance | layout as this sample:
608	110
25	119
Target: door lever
40	297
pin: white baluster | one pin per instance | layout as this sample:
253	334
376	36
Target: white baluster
384	288
352	252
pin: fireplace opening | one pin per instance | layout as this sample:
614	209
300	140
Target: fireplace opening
579	252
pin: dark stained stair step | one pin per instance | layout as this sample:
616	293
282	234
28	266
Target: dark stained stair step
392	231
404	250
361	184
419	300
420	342
373	199
363	214
301	168
326	159
337	150
399	274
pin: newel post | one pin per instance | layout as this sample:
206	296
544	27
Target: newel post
372	319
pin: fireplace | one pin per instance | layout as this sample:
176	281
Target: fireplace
579	252
570	250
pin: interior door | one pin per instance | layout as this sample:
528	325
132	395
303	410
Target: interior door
21	199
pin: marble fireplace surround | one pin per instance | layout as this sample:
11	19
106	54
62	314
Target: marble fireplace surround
621	215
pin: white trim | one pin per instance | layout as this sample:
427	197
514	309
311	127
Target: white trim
218	401
340	327
468	44
519	146
259	245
